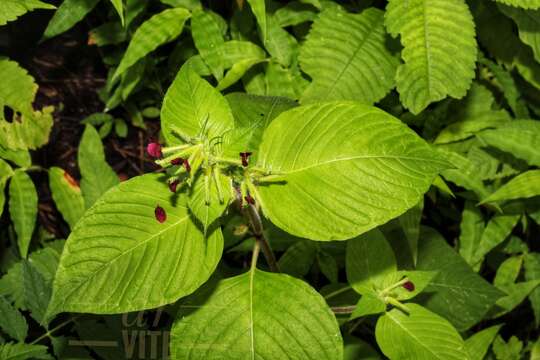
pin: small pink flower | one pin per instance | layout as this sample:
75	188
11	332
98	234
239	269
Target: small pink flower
245	158
173	185
161	216
154	150
177	161
409	286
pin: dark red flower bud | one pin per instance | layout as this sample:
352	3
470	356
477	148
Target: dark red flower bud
250	200
177	161
245	158
186	165
409	286
154	150
173	185
161	216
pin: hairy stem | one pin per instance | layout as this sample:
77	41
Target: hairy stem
255	223
343	309
50	332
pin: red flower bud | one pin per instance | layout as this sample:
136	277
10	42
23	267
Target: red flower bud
186	165
161	216
409	286
154	150
245	158
250	200
173	185
177	161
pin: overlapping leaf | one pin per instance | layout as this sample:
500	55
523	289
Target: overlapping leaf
69	13
23	203
11	9
526	4
67	195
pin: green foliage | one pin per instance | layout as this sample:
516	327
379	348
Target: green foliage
23	202
11	9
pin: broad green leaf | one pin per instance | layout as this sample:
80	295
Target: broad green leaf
23	208
525	185
338	163
11	9
298	258
478	344
462	130
69	13
66	195
22	351
119	258
46	261
257	315
507	351
528	22
119	7
205	189
96	175
158	30
532	272
279	43
521	138
508	272
193	108
11	321
252	115
357	349
28	129
281	81
410	223
439	51
236	72
369	259
208	40
346	57
258	8
517	293
369	304
471	228
420	334
295	13
496	231
37	292
526	4
457	292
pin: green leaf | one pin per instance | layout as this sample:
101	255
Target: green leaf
496	231
462	130
420	280
236	72
507	351
279	43
328	265
508	272
158	30
28	129
258	8
532	272
516	295
11	321
18	157
208	40
471	229
205	189
298	258
268	316
11	9
346	57
457	292
119	7
338	163
521	138
66	195
478	344
369	304
439	51
96	175
410	223
21	351
420	334
528	23
119	258
23	207
69	13
466	174
295	13
192	108
525	4
525	185
5	173
37	292
357	349
369	259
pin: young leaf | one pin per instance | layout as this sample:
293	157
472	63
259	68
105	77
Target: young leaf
346	57
508	272
420	334
11	321
270	316
369	304
208	40
96	175
69	13
294	13
439	51
236	72
120	258
279	43
417	280
525	4
258	8
457	292
471	228
338	162
510	350
532	272
478	344
5	173
496	231
158	30
369	259
67	195
22	351
193	108
23	208
11	9
119	7
525	185
516	295
37	292
410	223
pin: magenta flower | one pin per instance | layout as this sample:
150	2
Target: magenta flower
173	185
160	213
154	150
409	286
245	158
177	161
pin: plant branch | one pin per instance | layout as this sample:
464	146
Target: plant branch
255	223
50	332
343	309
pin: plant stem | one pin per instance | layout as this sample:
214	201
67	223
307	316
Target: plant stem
337	292
255	255
343	309
49	332
257	228
392	287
